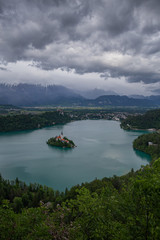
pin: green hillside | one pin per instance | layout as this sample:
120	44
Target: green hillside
150	119
31	121
148	143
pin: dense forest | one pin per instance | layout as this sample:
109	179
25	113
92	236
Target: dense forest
30	121
150	119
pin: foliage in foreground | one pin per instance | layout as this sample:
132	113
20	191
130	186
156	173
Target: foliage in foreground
118	208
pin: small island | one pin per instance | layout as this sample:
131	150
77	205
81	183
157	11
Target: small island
61	141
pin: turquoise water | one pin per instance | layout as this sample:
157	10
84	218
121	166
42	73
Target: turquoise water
103	150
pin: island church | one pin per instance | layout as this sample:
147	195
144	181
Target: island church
61	138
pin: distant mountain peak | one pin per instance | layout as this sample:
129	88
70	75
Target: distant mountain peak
96	92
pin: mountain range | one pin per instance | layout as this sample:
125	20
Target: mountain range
56	95
34	95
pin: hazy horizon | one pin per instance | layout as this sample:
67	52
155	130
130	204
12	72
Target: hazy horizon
83	92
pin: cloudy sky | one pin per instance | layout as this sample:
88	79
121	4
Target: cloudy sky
107	44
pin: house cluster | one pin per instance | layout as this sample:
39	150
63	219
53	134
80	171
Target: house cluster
100	115
152	144
61	138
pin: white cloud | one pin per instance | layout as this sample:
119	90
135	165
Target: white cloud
26	72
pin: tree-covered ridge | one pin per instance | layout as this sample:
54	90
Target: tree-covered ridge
36	118
148	143
150	119
32	121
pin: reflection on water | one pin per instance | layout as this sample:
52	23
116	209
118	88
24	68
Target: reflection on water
142	155
59	149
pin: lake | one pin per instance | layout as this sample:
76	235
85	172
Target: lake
103	150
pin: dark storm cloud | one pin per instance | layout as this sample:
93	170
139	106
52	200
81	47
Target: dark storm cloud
105	36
